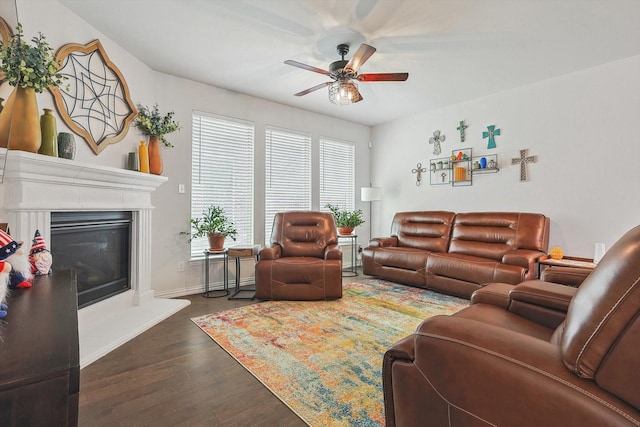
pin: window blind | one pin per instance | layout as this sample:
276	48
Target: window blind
287	173
222	174
337	174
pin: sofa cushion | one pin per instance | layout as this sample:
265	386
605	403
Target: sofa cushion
473	269
423	230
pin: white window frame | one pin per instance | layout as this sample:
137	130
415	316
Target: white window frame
223	151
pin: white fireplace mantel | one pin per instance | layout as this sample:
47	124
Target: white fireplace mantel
35	185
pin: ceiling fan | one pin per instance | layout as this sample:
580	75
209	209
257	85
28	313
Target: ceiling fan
343	89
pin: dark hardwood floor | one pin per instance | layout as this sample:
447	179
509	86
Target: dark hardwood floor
175	375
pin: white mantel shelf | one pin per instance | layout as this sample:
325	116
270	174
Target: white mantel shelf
35	185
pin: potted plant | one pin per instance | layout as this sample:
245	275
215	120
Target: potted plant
153	124
215	225
30	69
346	220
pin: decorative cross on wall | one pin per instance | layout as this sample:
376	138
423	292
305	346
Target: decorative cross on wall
491	133
461	129
523	160
418	170
436	139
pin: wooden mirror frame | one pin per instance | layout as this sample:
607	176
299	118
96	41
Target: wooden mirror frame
97	105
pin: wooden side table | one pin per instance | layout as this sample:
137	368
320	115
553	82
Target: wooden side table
239	252
224	254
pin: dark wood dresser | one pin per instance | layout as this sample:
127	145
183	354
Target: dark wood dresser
39	355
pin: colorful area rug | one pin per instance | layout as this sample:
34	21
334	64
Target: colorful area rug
324	359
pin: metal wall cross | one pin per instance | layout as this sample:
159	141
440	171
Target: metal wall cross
418	170
523	160
436	139
491	133
461	129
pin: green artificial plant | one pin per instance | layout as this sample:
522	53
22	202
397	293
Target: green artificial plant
29	66
150	122
345	218
213	221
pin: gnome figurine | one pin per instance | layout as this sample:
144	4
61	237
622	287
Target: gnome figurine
5	268
12	252
39	256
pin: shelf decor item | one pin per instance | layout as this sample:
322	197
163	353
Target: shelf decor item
30	69
93	80
215	225
155	125
346	221
66	145
49	146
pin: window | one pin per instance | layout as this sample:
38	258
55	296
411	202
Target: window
337	174
222	173
288	174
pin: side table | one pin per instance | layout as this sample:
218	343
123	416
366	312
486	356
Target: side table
224	254
239	252
353	271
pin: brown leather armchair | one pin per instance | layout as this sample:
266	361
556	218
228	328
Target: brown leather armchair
304	261
503	362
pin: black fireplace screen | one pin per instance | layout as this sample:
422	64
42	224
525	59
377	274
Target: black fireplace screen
97	246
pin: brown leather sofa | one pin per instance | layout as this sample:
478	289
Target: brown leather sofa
537	354
458	253
304	261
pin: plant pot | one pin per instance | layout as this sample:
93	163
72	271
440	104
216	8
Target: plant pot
345	231
155	156
216	242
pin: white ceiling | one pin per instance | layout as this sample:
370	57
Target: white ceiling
453	50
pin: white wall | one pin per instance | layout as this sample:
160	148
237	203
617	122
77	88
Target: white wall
583	127
146	86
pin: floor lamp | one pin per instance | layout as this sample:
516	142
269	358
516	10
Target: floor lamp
370	194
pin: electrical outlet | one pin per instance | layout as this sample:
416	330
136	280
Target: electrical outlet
180	265
181	188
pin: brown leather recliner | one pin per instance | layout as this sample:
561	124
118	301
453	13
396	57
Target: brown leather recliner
497	362
304	261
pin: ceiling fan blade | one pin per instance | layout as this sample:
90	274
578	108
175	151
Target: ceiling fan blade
383	77
308	67
313	89
358	98
360	57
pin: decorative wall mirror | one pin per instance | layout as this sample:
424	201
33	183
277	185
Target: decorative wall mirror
96	103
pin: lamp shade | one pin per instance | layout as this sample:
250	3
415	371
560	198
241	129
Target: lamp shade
369	194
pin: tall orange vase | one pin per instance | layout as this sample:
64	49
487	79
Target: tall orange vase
155	156
20	121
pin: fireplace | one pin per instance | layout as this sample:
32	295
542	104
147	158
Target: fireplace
38	188
96	245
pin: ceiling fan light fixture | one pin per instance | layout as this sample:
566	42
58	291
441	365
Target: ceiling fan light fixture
343	92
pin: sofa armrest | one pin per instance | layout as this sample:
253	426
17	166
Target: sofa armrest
570	276
333	252
380	242
272	252
494	294
468	370
542	302
545	294
525	258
